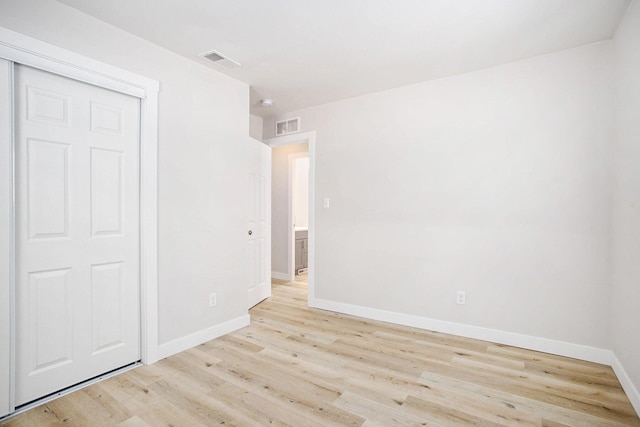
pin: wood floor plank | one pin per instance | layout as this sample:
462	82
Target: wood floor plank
512	408
377	414
445	414
36	417
198	405
549	390
296	366
134	421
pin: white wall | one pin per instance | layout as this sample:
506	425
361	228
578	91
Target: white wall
255	127
625	307
203	126
301	191
280	256
496	182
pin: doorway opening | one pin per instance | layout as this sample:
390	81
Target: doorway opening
293	208
299	211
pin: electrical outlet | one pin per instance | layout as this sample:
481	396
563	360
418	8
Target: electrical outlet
460	297
213	299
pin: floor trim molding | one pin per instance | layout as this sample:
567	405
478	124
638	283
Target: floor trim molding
560	348
280	276
197	338
629	388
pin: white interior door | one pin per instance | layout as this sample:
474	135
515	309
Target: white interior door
77	232
259	221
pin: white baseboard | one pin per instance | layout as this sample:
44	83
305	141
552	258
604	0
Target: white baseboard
577	351
280	276
632	392
197	338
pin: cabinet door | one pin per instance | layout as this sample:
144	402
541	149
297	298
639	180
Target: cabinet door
299	247
305	253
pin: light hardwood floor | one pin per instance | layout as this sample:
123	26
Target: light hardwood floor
302	367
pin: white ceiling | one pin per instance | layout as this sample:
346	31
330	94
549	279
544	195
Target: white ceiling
302	53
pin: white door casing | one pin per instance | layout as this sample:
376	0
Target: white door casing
6	190
259	231
77	232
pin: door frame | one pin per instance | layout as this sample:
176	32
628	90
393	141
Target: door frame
18	48
298	138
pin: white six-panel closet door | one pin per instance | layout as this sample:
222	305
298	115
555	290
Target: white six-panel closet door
77	232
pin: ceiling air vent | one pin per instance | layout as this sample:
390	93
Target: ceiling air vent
287	126
219	59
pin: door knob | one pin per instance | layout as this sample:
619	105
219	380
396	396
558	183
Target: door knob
250	232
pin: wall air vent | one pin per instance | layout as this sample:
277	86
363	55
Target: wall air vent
219	59
287	126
